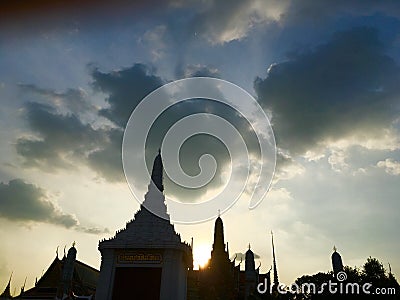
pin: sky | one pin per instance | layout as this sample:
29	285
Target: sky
325	73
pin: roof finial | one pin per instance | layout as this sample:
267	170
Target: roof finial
276	281
57	251
219	213
334	248
64	250
23	287
249	246
73	244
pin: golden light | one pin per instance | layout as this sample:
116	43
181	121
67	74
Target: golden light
201	255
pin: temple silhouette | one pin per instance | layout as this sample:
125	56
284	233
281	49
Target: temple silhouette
147	260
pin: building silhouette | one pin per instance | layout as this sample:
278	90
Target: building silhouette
223	280
148	261
66	278
337	263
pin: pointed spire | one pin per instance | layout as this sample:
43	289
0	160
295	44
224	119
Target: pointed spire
23	287
157	172
337	263
154	200
276	281
249	246
57	252
7	291
64	251
219	244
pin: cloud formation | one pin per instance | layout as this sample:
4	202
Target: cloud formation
27	203
58	138
196	70
64	140
74	101
125	89
20	201
346	87
221	22
390	166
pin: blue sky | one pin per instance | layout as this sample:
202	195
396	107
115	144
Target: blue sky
326	73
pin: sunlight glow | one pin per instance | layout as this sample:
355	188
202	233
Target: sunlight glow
201	255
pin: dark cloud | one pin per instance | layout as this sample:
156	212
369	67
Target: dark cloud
318	11
107	160
28	203
348	86
60	138
125	89
196	70
73	100
65	141
241	257
20	201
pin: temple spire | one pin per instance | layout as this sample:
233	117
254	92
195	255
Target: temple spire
154	200
7	292
23	287
276	281
157	172
337	263
219	243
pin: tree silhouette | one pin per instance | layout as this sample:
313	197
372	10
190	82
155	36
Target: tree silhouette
372	272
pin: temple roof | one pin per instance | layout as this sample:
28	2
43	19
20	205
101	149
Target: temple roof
84	280
150	227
